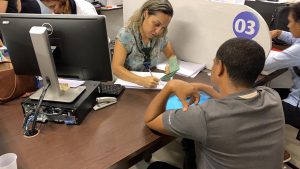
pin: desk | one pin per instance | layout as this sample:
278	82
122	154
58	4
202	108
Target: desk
114	137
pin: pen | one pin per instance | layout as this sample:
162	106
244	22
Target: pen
150	72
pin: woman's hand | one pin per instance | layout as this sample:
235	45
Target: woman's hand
167	69
149	81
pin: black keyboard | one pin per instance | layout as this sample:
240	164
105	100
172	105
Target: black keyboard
113	90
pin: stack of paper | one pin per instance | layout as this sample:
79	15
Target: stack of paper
186	69
143	74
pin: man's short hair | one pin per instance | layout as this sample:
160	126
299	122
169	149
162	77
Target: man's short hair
244	60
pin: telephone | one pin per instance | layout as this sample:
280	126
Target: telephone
104	102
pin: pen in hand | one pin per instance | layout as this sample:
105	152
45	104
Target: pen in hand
150	72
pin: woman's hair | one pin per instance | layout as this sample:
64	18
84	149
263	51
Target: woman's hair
63	3
295	11
152	6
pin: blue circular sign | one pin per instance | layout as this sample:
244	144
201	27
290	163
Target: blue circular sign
245	25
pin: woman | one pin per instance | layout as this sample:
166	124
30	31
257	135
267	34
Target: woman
138	44
30	6
290	57
9	6
79	7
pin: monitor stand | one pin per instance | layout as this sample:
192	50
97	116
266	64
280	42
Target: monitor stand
41	45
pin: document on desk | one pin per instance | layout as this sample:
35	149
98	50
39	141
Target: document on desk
187	69
72	83
143	74
272	53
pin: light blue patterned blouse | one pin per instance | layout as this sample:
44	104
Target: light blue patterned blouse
290	57
131	41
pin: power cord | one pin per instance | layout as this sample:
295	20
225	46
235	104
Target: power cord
30	130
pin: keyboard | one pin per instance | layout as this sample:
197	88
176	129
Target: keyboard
113	90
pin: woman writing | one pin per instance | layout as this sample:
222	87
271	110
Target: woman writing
79	7
139	44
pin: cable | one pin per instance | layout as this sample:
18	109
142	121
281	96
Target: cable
32	117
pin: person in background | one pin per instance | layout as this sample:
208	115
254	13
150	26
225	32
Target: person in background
241	127
139	44
79	7
30	6
9	6
289	58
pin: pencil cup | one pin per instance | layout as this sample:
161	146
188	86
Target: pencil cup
8	161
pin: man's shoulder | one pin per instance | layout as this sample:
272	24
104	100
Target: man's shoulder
257	96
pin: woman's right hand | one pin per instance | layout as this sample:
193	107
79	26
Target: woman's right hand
149	81
275	33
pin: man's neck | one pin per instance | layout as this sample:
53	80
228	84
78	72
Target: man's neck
228	88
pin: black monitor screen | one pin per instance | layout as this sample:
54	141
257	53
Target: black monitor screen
79	43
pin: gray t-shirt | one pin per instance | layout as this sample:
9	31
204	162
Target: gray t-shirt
240	131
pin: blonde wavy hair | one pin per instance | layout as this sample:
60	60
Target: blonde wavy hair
65	4
152	6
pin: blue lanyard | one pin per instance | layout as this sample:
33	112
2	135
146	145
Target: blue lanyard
145	51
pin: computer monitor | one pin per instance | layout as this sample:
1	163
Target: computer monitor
79	45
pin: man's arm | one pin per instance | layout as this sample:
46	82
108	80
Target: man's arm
183	90
207	89
153	115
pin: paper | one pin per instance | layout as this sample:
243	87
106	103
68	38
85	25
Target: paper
174	102
71	83
271	54
241	2
143	74
186	69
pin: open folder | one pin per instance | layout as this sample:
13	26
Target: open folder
143	74
174	102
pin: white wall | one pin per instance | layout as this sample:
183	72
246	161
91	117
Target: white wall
199	27
114	22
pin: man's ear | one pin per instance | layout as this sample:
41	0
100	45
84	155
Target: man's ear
223	68
220	67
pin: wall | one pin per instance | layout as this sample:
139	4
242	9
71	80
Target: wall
114	22
198	28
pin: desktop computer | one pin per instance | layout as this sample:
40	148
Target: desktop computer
67	113
69	46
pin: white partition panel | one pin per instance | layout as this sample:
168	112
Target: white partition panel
199	27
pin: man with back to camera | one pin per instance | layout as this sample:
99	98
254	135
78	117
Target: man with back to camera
241	127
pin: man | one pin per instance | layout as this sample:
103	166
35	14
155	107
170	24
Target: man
240	127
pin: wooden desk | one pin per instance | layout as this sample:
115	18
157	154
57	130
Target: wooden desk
114	137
